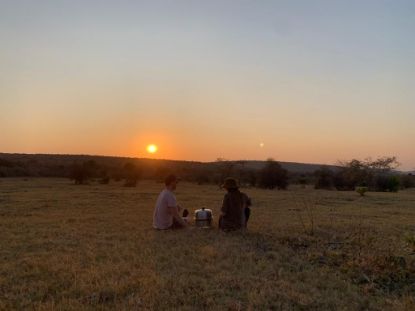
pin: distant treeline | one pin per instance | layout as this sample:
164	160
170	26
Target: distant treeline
84	169
377	175
374	175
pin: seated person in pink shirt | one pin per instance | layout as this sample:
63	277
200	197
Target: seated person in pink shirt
166	212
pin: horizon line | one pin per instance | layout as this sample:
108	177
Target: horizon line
161	159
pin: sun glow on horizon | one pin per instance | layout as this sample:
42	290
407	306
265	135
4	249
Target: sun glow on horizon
152	148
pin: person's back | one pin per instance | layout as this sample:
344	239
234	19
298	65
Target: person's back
233	215
233	210
162	218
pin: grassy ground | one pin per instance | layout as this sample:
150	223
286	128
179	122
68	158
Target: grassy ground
68	247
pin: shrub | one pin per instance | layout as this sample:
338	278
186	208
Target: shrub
302	180
407	181
131	174
324	178
387	183
273	176
393	184
362	190
80	174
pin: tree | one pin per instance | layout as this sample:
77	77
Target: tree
383	165
352	174
376	175
273	175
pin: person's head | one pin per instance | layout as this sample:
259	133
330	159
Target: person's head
230	184
171	182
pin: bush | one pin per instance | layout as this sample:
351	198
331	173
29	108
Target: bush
324	178
393	184
302	180
131	174
407	181
80	174
387	183
273	176
362	190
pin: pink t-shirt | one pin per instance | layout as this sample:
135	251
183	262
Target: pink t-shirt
162	217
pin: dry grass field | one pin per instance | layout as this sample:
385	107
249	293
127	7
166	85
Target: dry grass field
67	247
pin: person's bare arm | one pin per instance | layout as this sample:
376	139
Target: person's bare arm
175	213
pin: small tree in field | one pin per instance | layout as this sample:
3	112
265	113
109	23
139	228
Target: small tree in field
362	190
273	176
377	174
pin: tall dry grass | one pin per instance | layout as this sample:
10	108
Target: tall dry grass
91	247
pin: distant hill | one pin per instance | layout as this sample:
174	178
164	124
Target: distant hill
55	164
103	169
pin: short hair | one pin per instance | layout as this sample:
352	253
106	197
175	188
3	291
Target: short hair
170	178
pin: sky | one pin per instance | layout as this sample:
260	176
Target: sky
307	81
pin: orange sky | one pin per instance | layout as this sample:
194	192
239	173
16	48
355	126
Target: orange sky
320	82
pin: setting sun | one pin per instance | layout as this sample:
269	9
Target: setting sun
151	148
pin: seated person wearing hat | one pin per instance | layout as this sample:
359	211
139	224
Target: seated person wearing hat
235	207
166	212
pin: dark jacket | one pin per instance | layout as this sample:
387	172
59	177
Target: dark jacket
233	210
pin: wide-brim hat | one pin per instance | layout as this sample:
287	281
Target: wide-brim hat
230	183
